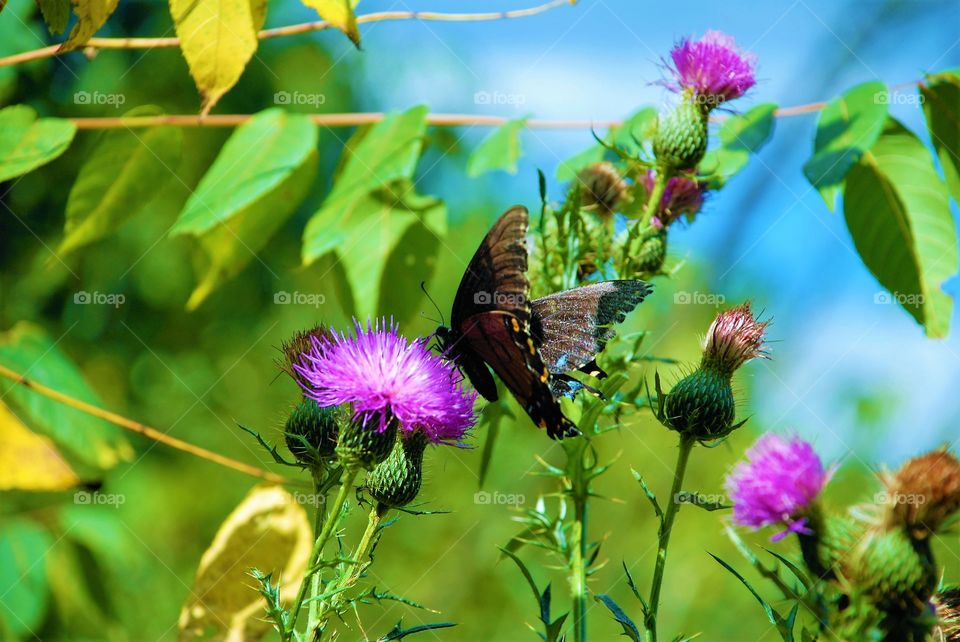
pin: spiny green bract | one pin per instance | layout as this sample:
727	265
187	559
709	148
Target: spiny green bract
701	405
396	481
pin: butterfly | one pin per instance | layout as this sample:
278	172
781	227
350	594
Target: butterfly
530	345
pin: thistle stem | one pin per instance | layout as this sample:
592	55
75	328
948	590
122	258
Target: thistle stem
666	527
660	181
579	571
346	485
356	564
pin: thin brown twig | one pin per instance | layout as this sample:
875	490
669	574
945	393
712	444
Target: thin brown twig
289	30
141	429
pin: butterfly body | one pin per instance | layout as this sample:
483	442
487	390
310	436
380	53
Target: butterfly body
530	345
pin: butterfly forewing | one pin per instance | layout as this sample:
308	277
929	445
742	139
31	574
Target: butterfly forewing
496	278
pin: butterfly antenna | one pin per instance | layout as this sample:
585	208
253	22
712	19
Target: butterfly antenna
423	286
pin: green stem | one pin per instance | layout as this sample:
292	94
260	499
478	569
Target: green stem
346	485
579	571
356	565
666	527
649	211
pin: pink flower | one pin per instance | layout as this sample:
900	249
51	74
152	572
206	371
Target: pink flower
713	68
777	485
381	375
734	338
682	197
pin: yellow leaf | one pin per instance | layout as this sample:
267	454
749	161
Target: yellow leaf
91	15
217	38
268	531
338	13
29	461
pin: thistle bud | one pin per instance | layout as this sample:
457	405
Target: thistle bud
296	346
395	482
311	432
924	492
653	250
702	405
681	137
364	444
601	186
897	571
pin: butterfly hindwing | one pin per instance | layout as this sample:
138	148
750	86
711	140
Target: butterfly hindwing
572	327
504	342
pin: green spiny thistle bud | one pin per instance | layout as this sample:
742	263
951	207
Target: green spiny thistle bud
898	572
681	138
858	621
396	480
364	445
311	432
653	251
701	405
836	536
923	493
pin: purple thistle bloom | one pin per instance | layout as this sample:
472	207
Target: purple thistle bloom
381	375
713	68
682	197
777	485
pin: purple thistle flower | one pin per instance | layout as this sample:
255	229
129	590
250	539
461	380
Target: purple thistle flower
381	375
713	68
777	485
682	197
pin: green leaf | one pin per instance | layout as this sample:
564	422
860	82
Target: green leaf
629	628
898	213
740	136
775	618
500	150
218	38
941	105
56	13
372	204
91	15
23	578
398	632
340	14
256	182
94	442
121	175
848	126
26	142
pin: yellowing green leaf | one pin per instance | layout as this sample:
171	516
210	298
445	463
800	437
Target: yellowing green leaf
259	177
56	13
91	15
740	136
340	14
29	461
217	38
26	142
125	170
898	213
268	531
88	440
499	150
